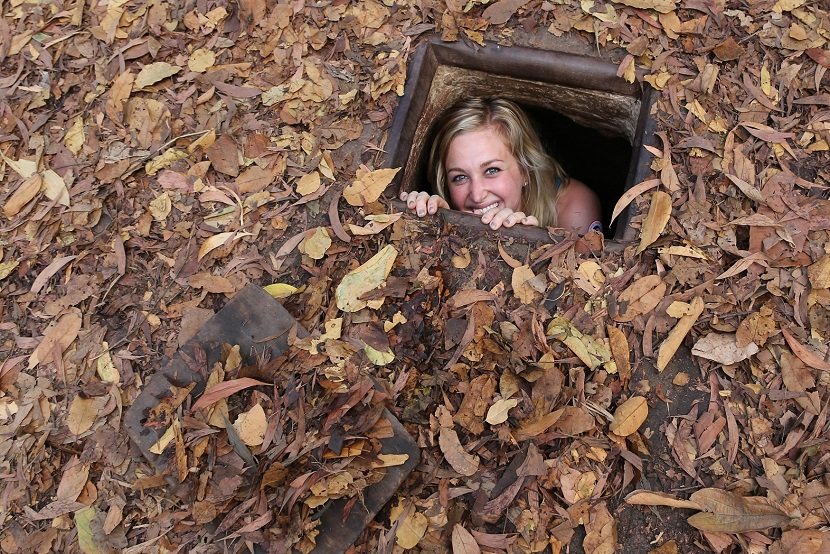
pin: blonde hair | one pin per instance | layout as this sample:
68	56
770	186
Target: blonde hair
545	177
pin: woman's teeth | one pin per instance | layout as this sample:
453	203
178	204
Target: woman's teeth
480	211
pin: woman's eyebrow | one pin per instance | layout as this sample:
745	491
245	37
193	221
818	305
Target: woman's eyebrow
488	162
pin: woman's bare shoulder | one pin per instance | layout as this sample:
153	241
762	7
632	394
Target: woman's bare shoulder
578	206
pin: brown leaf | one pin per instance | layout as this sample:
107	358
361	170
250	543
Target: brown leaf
629	416
755	328
500	12
620	351
676	335
631	194
655	498
223	390
659	212
22	195
463	542
728	50
727	512
820	56
254	179
807	356
223	155
368	187
470	414
73	480
640	298
600	532
49	271
723	349
59	336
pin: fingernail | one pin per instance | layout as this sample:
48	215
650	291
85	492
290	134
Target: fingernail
420	212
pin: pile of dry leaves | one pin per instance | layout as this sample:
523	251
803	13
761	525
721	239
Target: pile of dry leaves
157	157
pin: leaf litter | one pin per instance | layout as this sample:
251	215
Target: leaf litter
155	162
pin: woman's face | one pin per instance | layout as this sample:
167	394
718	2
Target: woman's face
482	173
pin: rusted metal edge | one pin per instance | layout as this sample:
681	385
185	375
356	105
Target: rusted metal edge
252	319
338	534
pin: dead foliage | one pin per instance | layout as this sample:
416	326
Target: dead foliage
159	156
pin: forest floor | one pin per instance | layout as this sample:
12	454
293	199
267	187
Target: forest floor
666	395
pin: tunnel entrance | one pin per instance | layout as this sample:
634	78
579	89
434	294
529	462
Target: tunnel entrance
593	122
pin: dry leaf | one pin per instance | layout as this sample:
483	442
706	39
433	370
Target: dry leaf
463	542
75	138
308	183
316	245
377	223
805	354
223	390
629	416
522	287
219	240
369	276
640	298
411	529
106	370
280	290
819	273
251	425
498	411
368	187
23	194
462	462
676	335
658	216
82	414
58	337
200	60
620	351
662	6
722	348
54	188
73	480
153	73
654	498
727	512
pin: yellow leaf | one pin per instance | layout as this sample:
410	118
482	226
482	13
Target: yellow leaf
24	194
6	268
411	530
161	444
819	273
54	188
378	357
498	411
787	5
316	245
521	286
369	276
82	414
676	335
662	6
24	168
629	416
75	138
218	240
368	188
203	142
390	460
462	260
83	524
164	160
105	368
308	183
280	290
377	223
658	216
161	206
153	73
251	426
200	60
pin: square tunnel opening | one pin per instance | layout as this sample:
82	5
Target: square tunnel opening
589	119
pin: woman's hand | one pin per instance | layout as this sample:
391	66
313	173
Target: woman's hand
505	217
422	203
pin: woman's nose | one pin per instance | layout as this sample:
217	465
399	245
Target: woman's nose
477	190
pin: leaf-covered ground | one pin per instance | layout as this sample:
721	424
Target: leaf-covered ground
157	157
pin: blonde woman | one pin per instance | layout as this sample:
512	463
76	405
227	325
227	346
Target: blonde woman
488	160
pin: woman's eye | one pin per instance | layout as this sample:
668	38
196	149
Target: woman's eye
492	171
457	178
